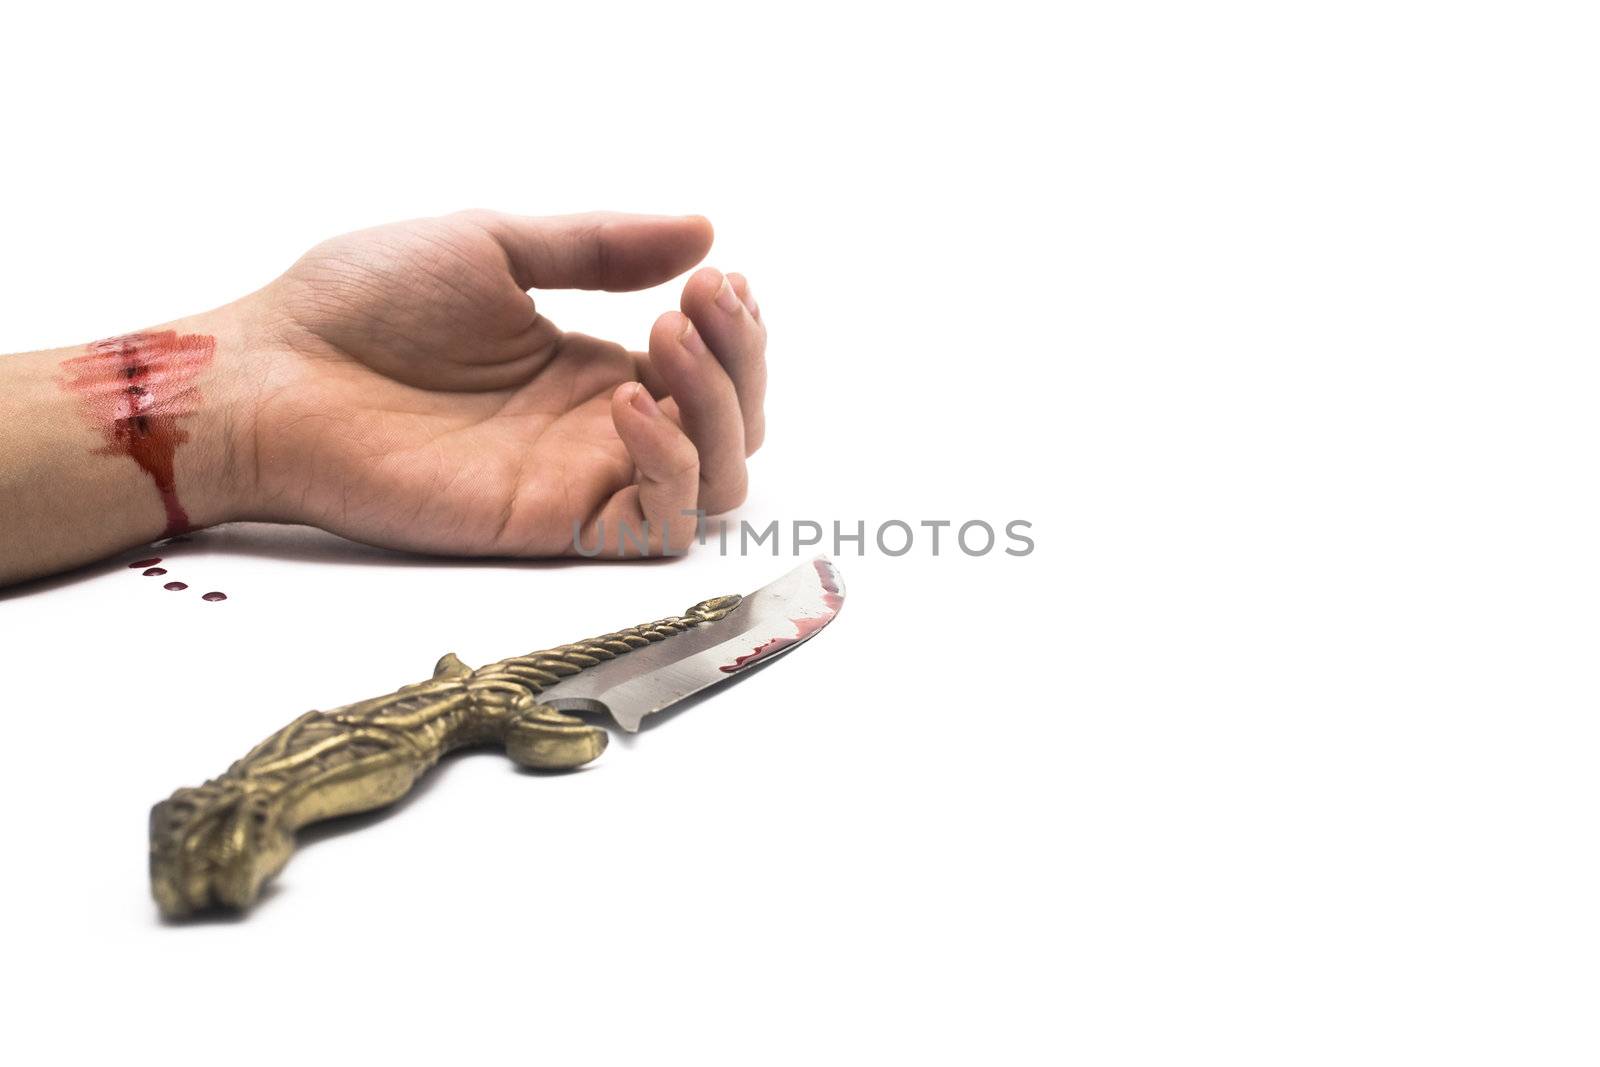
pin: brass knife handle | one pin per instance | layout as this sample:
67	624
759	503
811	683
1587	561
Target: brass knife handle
216	845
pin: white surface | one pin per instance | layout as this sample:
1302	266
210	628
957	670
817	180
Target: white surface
1278	323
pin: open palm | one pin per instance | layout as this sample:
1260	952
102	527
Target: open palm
417	398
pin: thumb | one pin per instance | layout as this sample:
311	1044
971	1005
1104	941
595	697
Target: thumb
598	250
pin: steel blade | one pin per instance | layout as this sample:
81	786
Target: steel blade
767	623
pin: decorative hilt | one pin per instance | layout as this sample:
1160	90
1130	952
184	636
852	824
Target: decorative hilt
217	844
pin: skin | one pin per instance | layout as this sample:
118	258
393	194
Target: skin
398	386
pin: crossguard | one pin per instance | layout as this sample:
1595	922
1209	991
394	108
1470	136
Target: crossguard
216	845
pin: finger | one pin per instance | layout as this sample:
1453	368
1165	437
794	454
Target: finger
741	285
708	406
599	250
655	515
737	338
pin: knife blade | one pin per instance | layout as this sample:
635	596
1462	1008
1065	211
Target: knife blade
769	622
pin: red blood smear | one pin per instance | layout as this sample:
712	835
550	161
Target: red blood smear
803	628
830	586
134	389
138	563
215	597
153	571
175	586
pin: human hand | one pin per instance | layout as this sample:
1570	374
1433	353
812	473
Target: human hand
402	389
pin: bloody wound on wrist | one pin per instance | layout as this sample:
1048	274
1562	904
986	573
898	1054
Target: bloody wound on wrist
134	390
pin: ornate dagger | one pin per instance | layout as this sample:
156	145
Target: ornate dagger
216	845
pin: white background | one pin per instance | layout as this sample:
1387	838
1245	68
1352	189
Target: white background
1277	322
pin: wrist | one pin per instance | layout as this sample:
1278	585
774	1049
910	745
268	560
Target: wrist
122	441
196	380
224	469
177	400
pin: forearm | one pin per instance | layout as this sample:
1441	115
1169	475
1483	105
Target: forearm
119	442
